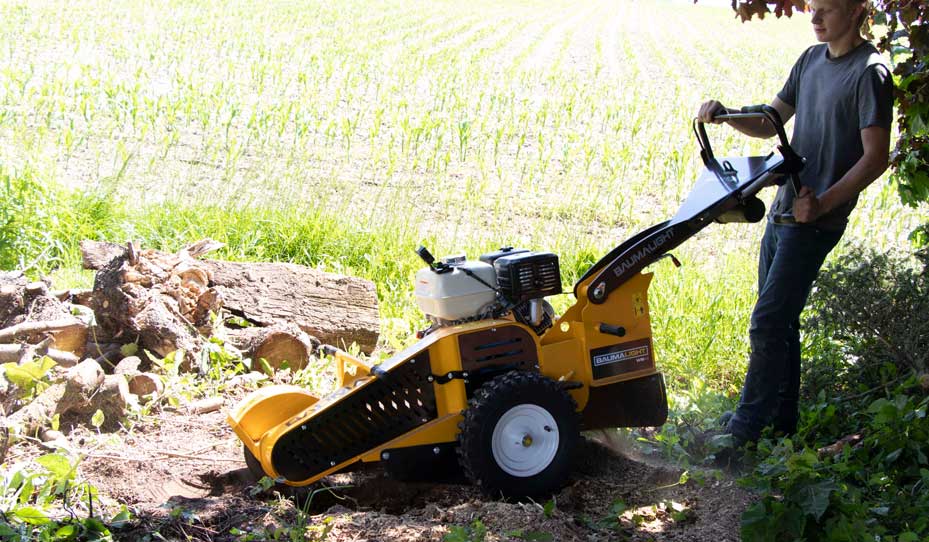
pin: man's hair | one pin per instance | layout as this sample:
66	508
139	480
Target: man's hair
866	4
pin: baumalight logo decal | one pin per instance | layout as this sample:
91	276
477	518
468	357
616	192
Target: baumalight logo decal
640	352
643	252
622	358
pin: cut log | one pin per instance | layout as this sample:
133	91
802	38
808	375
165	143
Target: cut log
70	334
75	391
163	301
203	406
29	351
111	398
146	386
13	352
36	289
54	440
82	297
276	344
336	309
128	366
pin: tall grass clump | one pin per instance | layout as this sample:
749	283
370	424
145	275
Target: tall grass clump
29	220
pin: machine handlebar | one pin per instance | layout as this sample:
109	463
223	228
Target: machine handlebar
793	163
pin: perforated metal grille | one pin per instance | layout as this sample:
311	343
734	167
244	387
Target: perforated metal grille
528	276
380	411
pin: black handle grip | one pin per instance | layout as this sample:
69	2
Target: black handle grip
608	329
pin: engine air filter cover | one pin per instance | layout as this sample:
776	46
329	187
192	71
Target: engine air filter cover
491	257
528	275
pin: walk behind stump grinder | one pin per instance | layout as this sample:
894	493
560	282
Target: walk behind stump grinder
498	382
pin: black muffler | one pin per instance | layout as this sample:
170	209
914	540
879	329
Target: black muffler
751	210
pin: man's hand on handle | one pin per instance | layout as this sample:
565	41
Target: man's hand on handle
807	207
709	110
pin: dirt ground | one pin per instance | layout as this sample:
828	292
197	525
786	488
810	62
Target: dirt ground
184	478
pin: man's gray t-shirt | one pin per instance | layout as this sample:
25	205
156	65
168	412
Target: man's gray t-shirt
834	99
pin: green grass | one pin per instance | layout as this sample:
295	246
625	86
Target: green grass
343	136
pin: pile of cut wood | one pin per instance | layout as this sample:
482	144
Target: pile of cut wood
146	304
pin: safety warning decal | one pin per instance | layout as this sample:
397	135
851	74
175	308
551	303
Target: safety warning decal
621	358
638	305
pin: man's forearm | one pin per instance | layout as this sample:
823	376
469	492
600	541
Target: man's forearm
752	127
864	172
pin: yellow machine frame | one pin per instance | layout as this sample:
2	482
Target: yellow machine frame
562	352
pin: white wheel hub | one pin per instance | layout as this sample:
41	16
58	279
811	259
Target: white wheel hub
525	440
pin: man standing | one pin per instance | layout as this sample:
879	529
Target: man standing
841	95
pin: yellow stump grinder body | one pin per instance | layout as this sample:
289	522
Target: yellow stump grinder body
498	381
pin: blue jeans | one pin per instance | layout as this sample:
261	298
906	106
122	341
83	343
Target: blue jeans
790	258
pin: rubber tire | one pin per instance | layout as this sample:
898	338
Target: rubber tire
489	403
254	466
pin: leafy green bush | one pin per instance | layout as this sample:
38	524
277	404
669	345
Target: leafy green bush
873	490
867	313
857	468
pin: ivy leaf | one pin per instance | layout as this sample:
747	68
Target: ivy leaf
57	465
28	374
30	515
892	456
755	522
129	349
121	518
66	533
94	525
813	499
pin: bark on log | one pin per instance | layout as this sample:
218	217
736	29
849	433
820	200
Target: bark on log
203	406
76	390
70	334
336	309
12	353
96	254
12	288
275	344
